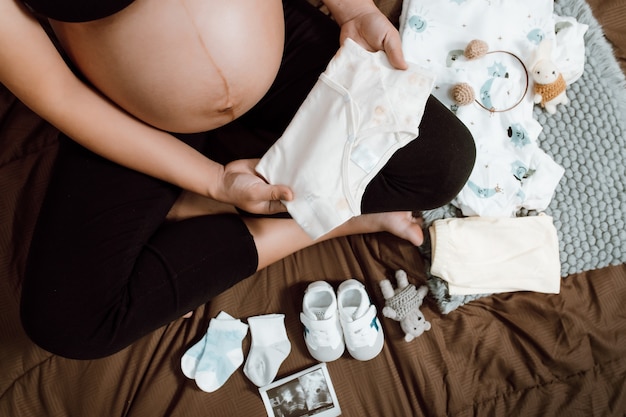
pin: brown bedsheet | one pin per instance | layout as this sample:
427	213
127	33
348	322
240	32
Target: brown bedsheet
521	354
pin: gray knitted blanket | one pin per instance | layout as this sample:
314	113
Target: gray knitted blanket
588	138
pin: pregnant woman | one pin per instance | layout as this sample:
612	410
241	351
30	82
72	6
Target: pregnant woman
165	107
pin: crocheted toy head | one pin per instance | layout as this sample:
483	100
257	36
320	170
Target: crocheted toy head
549	85
403	305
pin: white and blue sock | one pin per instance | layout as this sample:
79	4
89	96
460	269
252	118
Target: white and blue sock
217	355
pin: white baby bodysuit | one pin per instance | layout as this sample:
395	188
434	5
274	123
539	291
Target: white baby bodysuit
357	115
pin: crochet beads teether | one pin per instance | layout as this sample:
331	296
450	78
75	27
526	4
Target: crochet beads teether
463	94
476	49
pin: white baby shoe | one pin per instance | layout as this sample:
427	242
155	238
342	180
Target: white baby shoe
362	331
322	331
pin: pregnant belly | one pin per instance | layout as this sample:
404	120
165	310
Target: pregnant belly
181	66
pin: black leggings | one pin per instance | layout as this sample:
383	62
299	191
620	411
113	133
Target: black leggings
105	268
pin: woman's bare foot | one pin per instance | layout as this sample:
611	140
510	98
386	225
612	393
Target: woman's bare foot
399	223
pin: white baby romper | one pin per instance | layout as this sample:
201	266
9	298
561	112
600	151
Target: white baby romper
357	115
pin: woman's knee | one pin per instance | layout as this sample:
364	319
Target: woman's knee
448	150
56	334
428	172
451	171
64	319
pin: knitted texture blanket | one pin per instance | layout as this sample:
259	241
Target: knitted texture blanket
588	138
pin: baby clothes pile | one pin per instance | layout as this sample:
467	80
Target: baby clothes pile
511	170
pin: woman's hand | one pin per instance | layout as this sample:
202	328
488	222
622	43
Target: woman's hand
244	188
365	24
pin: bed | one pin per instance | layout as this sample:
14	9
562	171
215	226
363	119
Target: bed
517	354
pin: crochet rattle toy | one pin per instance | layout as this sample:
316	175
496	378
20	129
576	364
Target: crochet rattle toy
403	305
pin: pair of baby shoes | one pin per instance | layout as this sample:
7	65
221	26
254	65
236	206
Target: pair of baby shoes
334	322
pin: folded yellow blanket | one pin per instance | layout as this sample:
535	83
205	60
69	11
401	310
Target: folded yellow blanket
481	255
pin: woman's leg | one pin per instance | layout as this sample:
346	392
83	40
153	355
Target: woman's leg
278	238
104	269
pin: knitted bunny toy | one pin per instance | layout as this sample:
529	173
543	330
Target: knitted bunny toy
549	82
403	305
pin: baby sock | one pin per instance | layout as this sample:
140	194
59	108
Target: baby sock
270	346
189	361
217	355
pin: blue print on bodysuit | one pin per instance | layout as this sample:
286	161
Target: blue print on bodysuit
519	136
453	56
519	170
535	36
418	23
482	192
497	70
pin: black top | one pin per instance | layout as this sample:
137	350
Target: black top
77	10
